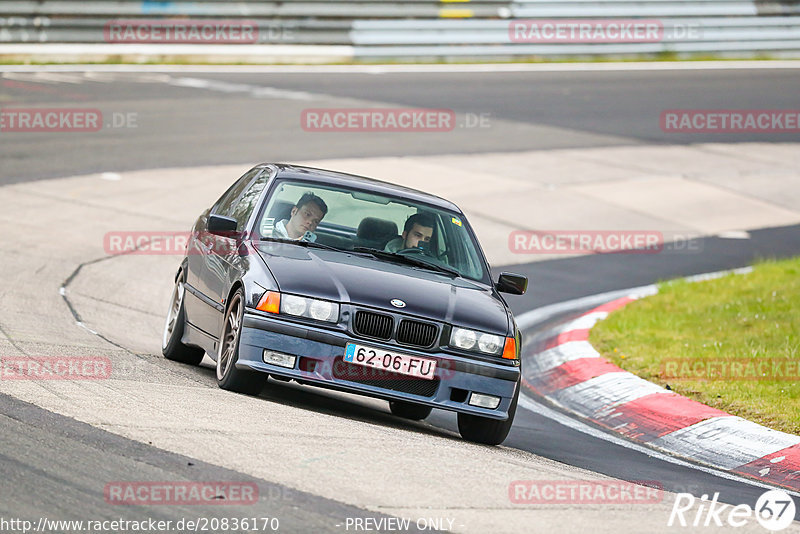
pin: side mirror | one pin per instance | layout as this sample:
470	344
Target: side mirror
514	284
219	225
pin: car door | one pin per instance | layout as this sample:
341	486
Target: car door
203	309
224	262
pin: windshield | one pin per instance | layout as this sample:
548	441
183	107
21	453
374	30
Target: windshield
351	219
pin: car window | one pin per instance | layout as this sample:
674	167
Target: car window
224	206
357	218
243	206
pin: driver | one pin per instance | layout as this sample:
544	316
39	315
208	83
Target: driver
303	220
417	230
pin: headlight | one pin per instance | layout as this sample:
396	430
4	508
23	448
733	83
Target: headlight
293	305
489	343
464	339
319	310
322	310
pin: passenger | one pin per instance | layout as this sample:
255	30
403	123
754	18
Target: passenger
418	229
303	220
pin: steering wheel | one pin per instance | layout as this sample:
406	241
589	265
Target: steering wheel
426	251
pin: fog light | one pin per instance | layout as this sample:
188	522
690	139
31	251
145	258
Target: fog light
280	359
484	401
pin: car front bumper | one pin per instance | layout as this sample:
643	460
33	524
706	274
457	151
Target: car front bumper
319	362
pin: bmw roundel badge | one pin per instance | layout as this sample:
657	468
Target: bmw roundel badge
397	303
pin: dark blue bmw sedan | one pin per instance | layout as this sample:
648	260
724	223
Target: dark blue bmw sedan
349	283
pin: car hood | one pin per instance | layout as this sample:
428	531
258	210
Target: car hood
366	281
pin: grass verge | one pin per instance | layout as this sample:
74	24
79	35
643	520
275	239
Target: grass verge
732	343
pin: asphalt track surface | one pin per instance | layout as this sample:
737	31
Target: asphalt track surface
43	455
179	124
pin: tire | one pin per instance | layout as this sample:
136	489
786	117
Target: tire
171	346
485	430
228	376
407	410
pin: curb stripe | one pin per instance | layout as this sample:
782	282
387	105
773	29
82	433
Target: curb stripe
552	358
614	305
728	442
585	321
572	373
566	337
568	371
782	467
603	393
655	415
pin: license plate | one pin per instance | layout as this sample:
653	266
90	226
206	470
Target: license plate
403	364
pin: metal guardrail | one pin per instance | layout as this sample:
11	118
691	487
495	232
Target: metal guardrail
94	30
350	9
428	28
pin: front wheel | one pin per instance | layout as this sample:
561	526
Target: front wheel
171	346
407	410
485	430
228	376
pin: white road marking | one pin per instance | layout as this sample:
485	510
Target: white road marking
540	315
20	76
545	411
603	392
744	438
585	322
566	352
727	442
254	90
422	68
734	234
82	325
52	77
717	274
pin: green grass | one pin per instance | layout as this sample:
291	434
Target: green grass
748	319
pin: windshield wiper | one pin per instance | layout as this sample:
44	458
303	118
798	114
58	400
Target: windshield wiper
409	260
311	244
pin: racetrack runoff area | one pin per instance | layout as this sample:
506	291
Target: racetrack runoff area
680	191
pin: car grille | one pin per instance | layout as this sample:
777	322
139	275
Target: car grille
416	333
370	324
368	376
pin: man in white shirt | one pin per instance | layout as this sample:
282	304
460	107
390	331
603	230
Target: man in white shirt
303	220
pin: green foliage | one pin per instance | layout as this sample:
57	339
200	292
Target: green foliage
732	343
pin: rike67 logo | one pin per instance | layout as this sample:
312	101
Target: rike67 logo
774	510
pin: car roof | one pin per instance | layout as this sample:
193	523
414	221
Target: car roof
324	176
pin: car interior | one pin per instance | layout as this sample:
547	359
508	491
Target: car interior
371	231
348	224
